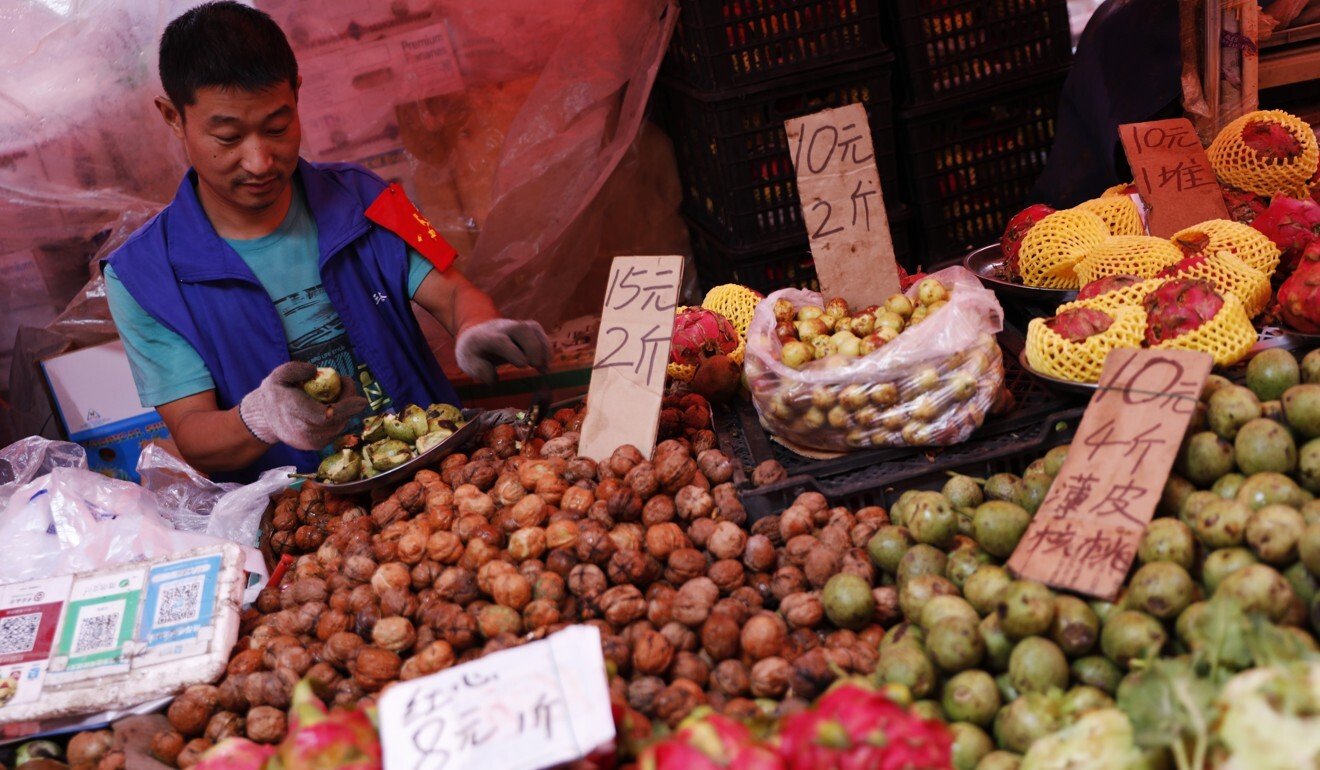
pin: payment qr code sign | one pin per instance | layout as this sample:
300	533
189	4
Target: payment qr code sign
180	600
26	633
100	620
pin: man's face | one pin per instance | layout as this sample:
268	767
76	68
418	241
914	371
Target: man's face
243	144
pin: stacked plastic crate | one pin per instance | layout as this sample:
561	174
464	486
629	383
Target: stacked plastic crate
981	81
735	71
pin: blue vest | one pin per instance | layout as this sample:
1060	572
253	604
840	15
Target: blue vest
187	278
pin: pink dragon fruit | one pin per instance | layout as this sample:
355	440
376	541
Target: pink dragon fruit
699	334
1293	225
1271	140
1107	284
854	727
235	754
320	739
1179	306
1079	323
1242	206
1299	296
709	741
1011	242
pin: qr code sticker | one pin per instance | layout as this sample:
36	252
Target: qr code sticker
18	633
96	633
179	602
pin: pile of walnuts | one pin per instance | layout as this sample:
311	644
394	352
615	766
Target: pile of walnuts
523	538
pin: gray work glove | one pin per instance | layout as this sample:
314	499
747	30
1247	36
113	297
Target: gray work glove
486	345
279	410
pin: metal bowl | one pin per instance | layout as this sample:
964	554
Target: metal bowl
402	473
986	262
1080	388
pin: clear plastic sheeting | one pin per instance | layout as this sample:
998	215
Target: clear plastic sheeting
194	503
506	123
33	456
64	518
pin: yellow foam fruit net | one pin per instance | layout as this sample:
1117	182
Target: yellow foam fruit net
736	303
1227	337
1119	212
1141	255
1054	245
1051	353
1239	165
1231	275
1116	190
1111	301
1219	235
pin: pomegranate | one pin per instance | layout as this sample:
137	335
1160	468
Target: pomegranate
854	726
717	379
1078	324
1292	225
1179	306
1011	242
1299	296
1107	284
700	334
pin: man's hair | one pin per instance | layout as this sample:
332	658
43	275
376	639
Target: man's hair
223	45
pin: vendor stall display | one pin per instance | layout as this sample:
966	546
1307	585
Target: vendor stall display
866	517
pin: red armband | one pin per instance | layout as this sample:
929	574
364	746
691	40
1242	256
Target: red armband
393	211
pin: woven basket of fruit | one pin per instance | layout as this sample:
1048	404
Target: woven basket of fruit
922	370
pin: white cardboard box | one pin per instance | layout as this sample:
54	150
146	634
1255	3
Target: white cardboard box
97	404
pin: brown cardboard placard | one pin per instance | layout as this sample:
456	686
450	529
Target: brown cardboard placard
843	205
632	349
1173	174
1085	533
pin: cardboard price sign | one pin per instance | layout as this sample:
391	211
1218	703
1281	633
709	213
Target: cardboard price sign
530	707
843	205
632	349
1085	534
1173	174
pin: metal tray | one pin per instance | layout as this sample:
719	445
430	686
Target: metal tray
986	261
1058	383
477	421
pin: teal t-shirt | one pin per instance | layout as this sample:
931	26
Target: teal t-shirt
166	368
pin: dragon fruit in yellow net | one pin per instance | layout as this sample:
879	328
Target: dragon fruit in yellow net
1073	344
1219	235
1140	255
1054	245
1267	152
1190	314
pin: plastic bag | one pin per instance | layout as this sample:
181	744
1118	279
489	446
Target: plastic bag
932	385
28	458
194	503
64	518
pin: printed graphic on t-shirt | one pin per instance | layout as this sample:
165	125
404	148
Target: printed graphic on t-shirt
326	342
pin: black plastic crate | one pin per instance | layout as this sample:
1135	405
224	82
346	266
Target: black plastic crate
1039	419
739	42
733	154
971	166
778	264
952	48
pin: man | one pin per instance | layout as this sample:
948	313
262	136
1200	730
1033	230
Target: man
265	266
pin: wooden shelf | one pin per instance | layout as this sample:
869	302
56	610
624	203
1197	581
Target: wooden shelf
1286	65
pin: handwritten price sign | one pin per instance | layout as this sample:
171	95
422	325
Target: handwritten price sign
628	375
1085	534
1173	174
843	205
530	707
